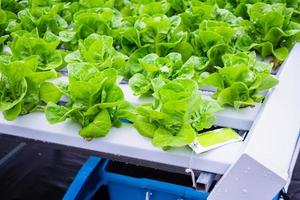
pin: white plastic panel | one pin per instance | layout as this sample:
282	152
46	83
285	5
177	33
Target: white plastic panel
276	130
248	180
271	142
229	117
293	162
124	141
239	119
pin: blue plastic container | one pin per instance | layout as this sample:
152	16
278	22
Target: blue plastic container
95	173
121	186
87	181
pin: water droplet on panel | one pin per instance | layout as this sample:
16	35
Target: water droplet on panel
244	191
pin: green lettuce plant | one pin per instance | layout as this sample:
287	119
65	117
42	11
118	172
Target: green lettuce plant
27	44
272	31
20	86
242	79
160	33
96	102
98	50
178	113
157	70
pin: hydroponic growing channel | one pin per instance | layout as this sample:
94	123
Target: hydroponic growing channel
140	80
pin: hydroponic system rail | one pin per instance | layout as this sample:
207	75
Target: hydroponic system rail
264	156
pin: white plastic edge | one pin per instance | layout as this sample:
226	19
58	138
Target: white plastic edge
271	142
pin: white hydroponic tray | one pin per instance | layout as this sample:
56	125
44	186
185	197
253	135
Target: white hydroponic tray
256	168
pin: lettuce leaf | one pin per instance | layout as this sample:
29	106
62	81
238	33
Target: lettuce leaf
165	69
26	44
242	79
20	87
96	101
99	50
177	115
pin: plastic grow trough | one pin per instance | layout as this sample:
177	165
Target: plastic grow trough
95	173
265	156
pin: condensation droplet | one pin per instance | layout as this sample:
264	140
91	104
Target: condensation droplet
244	190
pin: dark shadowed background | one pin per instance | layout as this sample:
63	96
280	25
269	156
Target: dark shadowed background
37	170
